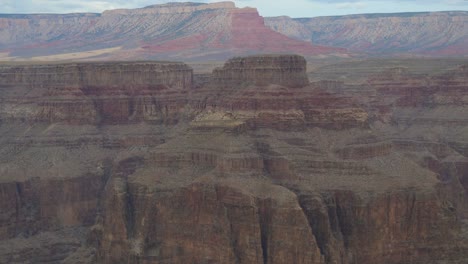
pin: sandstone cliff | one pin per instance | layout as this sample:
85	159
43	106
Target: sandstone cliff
281	172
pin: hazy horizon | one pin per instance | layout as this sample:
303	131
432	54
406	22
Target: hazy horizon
296	8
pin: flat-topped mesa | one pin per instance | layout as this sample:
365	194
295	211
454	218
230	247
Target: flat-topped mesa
121	75
285	70
171	8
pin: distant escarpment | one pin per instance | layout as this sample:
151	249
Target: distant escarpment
217	31
192	31
429	34
136	162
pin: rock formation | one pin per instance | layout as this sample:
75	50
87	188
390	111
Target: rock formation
132	162
285	70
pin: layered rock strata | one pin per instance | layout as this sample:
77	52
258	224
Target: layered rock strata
99	74
93	93
285	70
275	171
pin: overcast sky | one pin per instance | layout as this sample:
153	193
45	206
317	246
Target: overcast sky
293	8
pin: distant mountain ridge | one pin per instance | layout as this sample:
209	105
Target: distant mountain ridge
216	31
421	33
170	31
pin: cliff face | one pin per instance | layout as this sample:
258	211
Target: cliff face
176	30
276	170
437	33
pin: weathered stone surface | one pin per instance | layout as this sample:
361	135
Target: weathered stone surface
270	172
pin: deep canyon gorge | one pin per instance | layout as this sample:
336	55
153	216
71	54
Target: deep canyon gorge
149	162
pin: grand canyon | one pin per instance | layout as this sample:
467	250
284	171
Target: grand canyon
330	156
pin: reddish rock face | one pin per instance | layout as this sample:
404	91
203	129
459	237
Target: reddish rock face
132	162
248	31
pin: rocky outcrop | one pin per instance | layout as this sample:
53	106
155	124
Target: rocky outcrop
268	172
415	33
285	70
286	100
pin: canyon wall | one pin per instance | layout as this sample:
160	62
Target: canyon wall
136	163
93	93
